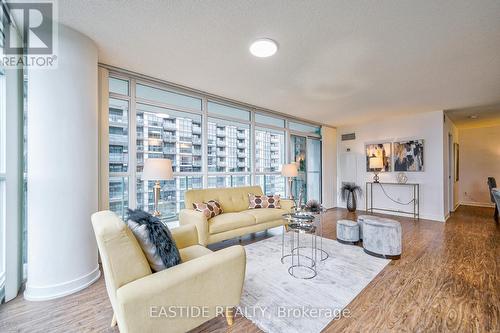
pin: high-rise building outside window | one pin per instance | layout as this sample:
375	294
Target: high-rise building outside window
212	144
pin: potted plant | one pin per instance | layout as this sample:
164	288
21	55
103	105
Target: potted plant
349	193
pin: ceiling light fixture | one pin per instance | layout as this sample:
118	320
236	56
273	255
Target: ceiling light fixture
263	47
474	116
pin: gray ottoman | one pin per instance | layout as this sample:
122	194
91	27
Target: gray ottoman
347	231
382	237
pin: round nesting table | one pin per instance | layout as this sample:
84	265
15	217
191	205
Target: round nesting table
300	223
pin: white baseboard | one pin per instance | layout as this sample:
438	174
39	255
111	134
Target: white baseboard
478	204
44	293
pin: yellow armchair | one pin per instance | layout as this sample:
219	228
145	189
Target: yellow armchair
177	299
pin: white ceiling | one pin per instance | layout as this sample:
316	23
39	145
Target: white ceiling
484	116
339	62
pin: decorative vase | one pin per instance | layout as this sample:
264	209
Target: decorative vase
351	202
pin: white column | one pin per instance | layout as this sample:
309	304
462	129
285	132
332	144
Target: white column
63	170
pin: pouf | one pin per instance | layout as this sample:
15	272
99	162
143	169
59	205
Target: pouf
382	237
347	231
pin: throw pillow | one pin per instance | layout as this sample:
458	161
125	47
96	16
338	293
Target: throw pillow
210	209
264	201
155	239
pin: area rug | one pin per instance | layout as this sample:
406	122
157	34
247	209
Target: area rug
277	302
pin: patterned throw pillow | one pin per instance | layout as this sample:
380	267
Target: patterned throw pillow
210	209
264	201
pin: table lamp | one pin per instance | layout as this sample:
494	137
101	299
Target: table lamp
157	169
376	165
290	171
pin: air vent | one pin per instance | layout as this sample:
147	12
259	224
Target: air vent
348	136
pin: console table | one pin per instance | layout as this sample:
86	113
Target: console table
415	199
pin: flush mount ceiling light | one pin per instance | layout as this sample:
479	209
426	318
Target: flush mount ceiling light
474	116
263	47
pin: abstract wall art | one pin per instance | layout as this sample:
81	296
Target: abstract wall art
409	155
382	150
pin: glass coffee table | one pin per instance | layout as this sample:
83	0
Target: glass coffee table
303	265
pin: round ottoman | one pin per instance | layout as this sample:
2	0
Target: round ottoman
382	237
347	232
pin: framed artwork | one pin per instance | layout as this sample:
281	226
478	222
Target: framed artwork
409	155
382	150
456	155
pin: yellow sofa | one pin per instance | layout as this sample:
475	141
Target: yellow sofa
237	220
171	300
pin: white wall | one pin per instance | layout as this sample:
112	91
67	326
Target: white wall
427	126
62	171
479	159
329	167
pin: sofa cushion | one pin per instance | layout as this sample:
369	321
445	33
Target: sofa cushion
229	221
210	209
193	252
231	199
263	201
264	215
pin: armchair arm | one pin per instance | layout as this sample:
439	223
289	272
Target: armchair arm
208	283
185	235
191	216
287	204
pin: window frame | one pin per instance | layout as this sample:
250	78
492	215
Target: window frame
133	176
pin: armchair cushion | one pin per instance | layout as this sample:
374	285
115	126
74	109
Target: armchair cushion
229	221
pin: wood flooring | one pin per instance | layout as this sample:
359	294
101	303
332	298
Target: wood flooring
447	280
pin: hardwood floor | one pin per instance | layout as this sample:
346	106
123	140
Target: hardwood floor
447	280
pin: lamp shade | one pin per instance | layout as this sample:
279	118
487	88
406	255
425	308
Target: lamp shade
289	170
157	169
376	163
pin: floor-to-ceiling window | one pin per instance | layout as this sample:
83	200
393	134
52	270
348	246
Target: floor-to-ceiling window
212	143
3	147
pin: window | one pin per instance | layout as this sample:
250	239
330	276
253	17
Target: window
3	148
268	120
118	135
167	97
176	135
118	86
228	111
210	144
308	129
228	146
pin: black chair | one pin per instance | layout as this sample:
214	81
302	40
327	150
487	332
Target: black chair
492	183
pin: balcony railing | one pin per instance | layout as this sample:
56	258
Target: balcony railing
221	164
221	154
197	152
169	138
118	139
241	136
118	158
196	129
241	164
241	155
117	119
168	125
221	133
221	143
197	141
241	145
169	150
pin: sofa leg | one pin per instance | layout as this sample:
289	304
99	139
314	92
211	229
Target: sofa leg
113	321
230	316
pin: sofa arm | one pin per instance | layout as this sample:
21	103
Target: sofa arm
287	204
191	216
185	235
208	283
